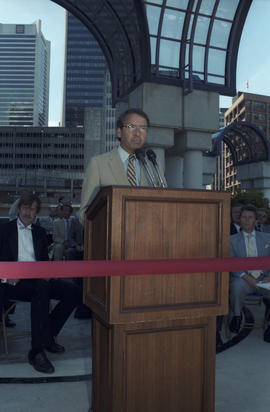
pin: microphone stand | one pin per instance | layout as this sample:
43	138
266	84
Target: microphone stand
152	157
141	157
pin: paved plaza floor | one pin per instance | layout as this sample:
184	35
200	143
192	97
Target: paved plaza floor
242	372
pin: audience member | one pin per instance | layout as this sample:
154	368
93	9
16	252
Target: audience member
61	228
262	225
248	243
74	250
47	224
235	218
23	240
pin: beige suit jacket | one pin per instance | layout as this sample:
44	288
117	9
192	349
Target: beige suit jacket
107	170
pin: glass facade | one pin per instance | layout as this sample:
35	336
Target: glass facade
84	73
189	43
24	75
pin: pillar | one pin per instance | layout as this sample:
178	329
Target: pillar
193	169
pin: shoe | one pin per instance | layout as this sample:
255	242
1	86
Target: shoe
40	362
235	324
83	312
266	335
9	323
54	347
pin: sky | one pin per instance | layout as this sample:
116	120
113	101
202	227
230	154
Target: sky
52	27
253	63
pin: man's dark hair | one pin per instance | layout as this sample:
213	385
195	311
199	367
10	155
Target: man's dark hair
28	198
249	208
122	117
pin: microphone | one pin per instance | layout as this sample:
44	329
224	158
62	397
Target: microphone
152	157
139	153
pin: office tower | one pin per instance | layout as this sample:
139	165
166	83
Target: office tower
84	71
252	108
24	75
47	159
87	88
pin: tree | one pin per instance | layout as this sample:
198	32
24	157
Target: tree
254	197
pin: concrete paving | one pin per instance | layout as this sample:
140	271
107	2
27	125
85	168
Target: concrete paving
242	375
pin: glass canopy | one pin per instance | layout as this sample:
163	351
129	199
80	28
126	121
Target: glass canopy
189	43
246	142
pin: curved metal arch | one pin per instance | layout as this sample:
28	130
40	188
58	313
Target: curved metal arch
190	77
121	28
246	142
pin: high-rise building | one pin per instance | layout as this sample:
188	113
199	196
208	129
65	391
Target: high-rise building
24	75
87	87
84	71
252	108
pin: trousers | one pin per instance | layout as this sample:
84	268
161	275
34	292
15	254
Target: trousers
45	325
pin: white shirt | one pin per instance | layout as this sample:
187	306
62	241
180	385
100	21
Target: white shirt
26	251
124	157
253	239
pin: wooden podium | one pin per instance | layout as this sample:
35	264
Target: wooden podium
154	336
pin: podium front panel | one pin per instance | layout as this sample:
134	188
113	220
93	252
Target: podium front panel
145	223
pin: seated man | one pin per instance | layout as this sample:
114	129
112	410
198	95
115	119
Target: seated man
74	250
262	225
47	224
61	229
248	243
22	240
235	218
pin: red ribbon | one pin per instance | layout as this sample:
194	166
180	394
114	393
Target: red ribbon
95	268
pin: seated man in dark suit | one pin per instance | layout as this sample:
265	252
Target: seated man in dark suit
22	240
248	243
74	250
235	218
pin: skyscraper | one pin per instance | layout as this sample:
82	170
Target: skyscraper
84	73
24	75
87	98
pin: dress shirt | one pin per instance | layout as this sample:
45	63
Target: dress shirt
26	251
124	157
253	239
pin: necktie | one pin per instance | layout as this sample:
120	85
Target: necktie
252	253
131	173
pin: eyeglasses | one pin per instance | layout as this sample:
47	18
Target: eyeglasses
132	127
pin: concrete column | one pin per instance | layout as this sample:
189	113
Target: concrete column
193	169
255	176
174	171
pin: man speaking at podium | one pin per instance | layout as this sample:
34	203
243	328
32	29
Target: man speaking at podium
125	165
